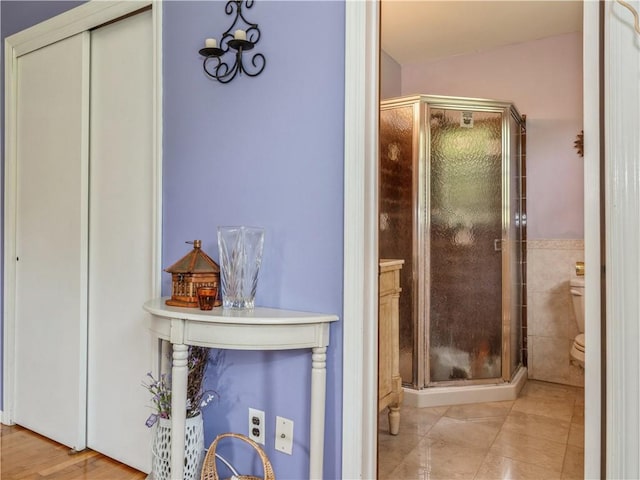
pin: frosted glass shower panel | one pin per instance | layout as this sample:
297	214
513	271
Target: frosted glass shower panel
465	242
451	202
515	257
396	222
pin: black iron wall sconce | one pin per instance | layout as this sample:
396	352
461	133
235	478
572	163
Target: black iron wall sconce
579	143
240	41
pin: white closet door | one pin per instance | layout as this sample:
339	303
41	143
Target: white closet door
120	239
51	241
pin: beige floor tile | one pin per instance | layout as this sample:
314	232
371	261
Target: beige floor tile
477	434
433	459
578	415
479	410
559	409
503	468
528	449
538	436
550	391
576	435
385	467
397	445
406	471
416	421
573	467
393	449
537	426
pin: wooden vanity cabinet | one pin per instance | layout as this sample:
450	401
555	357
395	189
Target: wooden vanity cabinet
389	380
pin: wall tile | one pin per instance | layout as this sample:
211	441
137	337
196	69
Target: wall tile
550	361
552	358
576	375
550	312
551	325
549	268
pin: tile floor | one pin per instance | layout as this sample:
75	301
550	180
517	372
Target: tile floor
540	435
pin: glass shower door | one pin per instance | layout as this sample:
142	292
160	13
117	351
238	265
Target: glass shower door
463	250
398	157
515	258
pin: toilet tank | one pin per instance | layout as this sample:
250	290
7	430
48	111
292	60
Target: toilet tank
576	288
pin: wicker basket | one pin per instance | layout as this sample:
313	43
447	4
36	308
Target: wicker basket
210	472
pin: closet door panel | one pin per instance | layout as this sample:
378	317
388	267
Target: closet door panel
51	241
120	239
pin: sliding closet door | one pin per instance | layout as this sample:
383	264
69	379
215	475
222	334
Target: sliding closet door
51	241
120	239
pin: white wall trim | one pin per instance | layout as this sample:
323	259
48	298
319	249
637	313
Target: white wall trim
10	192
72	22
591	95
157	14
360	336
622	204
359	448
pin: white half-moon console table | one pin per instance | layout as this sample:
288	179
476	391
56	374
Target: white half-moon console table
257	329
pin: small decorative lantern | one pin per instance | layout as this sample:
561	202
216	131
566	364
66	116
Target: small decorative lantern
194	270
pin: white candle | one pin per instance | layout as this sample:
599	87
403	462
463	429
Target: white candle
240	35
210	43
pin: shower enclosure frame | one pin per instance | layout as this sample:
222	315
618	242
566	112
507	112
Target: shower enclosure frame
513	227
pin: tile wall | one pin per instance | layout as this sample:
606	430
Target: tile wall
551	326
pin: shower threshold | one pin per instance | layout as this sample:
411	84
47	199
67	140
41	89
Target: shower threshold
458	395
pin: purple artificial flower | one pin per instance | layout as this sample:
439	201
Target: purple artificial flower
153	418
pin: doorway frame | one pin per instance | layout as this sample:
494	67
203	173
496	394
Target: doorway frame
82	18
359	404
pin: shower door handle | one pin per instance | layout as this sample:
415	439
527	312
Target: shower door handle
520	220
497	245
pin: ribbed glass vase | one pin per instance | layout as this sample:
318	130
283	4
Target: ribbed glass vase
240	251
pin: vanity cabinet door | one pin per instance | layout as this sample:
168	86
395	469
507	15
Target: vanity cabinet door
389	380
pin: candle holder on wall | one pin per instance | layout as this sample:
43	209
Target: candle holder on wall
240	41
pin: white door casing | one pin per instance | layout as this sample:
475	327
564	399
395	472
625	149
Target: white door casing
622	235
360	283
359	411
591	94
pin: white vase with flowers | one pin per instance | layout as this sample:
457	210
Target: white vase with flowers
197	398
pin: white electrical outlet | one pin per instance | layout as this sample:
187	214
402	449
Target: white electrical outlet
256	425
284	435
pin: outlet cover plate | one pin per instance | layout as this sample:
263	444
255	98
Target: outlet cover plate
284	435
256	425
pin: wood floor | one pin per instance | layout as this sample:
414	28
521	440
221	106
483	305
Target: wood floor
26	455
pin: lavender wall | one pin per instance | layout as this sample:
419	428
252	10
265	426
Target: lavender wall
264	151
14	17
544	80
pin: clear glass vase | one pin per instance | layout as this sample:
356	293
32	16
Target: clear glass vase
240	250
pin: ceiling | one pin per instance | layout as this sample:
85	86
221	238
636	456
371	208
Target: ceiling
423	30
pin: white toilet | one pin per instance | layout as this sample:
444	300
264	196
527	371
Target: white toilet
576	287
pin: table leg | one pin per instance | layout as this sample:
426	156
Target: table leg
318	394
179	374
394	419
